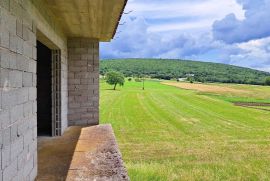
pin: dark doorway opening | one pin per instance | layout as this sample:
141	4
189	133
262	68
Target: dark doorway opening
44	90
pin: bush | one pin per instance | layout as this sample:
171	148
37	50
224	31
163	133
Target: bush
138	80
267	81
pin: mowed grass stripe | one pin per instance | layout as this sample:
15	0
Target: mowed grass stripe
166	133
198	113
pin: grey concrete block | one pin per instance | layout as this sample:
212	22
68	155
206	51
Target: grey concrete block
28	167
14	132
25	32
1	98
33	146
27	109
16	113
32	38
33	173
34	107
34	133
4	118
4	37
34	56
22	95
9	98
4	78
4	59
22	63
27	79
20	46
19	28
13	61
16	148
27	49
6	139
10	171
5	154
32	66
23	126
32	93
33	122
15	78
22	159
13	41
27	138
34	76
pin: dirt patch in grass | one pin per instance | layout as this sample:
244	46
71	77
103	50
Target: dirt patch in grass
254	105
205	87
251	104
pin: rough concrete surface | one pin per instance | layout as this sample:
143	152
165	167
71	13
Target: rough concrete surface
97	156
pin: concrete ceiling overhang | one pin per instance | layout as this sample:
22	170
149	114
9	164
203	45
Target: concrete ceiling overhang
97	19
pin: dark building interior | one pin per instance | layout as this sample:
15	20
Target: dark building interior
44	90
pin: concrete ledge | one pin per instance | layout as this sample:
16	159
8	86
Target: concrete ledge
97	156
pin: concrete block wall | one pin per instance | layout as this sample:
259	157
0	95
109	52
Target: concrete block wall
21	22
83	81
18	126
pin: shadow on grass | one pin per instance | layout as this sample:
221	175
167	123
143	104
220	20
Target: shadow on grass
111	89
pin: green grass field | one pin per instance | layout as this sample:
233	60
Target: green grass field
167	133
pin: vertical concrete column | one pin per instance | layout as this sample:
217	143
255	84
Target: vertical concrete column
83	81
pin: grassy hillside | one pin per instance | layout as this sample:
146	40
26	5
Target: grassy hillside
168	133
169	69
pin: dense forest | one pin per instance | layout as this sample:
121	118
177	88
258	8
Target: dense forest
174	69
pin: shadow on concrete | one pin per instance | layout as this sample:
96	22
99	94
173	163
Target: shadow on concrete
55	155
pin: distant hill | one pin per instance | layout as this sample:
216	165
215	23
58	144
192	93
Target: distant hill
170	69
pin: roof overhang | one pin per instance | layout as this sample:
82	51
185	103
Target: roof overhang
97	19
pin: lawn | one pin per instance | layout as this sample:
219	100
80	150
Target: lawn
168	133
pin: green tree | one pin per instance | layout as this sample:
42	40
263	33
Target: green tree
190	79
267	81
114	78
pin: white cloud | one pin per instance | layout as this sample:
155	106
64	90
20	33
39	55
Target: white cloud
201	14
183	29
255	54
187	26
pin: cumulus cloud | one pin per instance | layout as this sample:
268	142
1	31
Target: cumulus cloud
255	54
256	24
136	42
189	30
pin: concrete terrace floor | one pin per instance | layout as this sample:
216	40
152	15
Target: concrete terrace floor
89	153
55	155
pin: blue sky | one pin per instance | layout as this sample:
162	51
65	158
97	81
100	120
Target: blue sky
234	32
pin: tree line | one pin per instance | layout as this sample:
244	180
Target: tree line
175	69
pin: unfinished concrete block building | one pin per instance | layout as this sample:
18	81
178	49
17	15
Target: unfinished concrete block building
49	75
